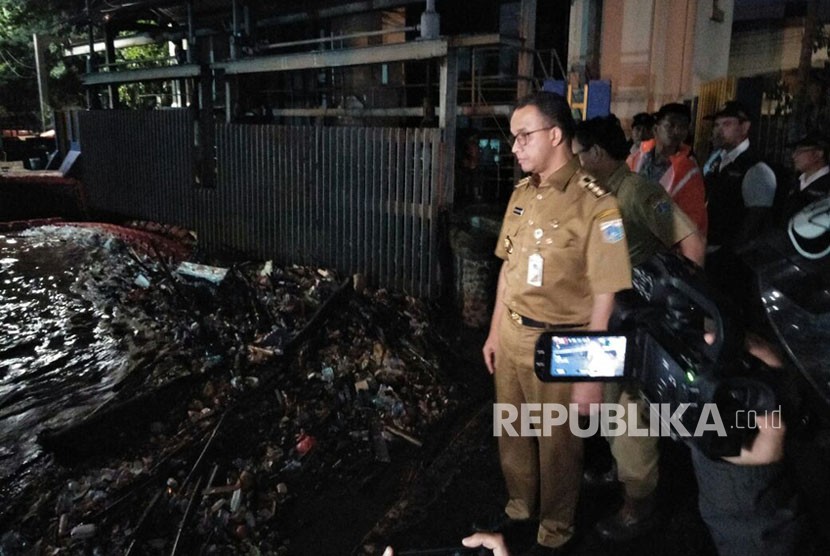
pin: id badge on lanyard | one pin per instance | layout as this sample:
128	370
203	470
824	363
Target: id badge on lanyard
535	269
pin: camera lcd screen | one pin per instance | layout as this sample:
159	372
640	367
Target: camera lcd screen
586	357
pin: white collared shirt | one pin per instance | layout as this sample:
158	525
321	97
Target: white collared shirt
759	183
805	181
730	156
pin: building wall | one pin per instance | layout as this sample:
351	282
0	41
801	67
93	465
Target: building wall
712	41
656	51
770	47
625	55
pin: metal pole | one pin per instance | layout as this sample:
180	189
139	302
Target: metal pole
234	28
92	101
109	57
191	38
42	76
527	31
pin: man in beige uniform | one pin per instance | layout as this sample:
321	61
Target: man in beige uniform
564	252
653	224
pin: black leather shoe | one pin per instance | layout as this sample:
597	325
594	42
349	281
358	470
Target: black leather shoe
495	523
625	525
542	550
596	479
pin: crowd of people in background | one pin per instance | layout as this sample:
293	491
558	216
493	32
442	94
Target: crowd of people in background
593	206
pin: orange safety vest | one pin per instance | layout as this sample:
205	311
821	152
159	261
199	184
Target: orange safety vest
682	181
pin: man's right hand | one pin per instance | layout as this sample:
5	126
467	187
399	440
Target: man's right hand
491	345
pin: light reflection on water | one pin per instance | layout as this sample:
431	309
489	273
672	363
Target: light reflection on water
56	360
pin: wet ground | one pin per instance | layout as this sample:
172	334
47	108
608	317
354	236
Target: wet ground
178	433
471	486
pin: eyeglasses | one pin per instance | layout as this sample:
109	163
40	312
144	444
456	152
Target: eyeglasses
521	138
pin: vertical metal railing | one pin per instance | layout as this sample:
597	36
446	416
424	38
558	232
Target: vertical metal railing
139	163
355	199
712	96
359	200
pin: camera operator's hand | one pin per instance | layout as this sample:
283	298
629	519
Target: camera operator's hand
586	393
768	446
492	541
757	347
763	350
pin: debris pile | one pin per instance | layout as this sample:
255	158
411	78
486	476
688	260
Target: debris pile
241	394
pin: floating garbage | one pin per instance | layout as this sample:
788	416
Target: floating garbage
83	531
223	403
212	274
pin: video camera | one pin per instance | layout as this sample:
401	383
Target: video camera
657	338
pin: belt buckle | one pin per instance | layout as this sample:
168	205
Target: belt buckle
516	317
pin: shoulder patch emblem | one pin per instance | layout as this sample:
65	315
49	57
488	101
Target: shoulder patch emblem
612	231
660	204
662	207
590	183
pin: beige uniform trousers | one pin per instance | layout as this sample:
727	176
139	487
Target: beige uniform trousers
542	473
637	457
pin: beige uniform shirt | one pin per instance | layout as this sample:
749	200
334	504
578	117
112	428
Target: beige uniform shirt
574	228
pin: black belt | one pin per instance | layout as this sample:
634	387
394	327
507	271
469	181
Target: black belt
530	323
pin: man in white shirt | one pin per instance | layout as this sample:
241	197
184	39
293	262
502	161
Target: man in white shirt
740	187
810	159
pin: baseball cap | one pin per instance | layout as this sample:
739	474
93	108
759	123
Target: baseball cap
811	140
732	109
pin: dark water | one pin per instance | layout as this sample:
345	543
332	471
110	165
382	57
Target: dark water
58	357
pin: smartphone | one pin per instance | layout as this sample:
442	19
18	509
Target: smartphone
580	356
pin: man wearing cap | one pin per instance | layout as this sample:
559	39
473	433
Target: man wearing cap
668	161
810	159
565	255
740	187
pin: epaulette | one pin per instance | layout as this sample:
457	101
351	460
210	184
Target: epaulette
590	183
522	182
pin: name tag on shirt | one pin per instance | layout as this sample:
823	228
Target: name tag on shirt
535	269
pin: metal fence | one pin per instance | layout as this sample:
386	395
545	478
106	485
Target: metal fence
769	132
771	138
354	199
712	97
139	164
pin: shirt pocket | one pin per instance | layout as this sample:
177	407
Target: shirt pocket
554	236
510	232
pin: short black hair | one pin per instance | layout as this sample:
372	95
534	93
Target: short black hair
606	132
554	108
673	108
643	119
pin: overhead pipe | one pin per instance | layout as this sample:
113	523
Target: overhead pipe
342	37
